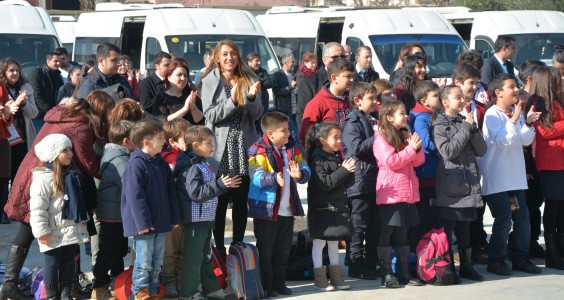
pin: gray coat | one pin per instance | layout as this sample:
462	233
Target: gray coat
458	179
218	111
112	167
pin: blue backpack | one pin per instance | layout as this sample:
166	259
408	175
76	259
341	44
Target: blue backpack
243	272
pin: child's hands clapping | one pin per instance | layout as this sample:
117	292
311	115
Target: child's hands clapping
280	179
231	182
349	164
294	170
517	111
414	141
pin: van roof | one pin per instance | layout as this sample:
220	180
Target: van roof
518	22
22	19
178	21
115	6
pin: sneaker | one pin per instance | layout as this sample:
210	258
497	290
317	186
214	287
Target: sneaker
283	290
526	266
499	267
143	294
219	294
536	250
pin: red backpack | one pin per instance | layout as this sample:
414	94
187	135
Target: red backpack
433	258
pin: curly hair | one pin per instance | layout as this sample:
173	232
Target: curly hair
4	65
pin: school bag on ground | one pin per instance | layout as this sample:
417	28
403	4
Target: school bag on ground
434	260
25	280
219	268
243	272
122	285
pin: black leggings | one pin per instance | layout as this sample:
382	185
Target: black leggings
398	234
462	231
238	197
59	265
553	218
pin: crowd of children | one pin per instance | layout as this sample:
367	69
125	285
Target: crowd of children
381	171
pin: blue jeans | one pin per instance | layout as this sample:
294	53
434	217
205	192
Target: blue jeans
521	236
149	249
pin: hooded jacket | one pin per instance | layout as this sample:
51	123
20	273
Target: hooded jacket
112	166
420	121
197	189
264	191
358	139
148	195
324	107
82	137
46	214
458	179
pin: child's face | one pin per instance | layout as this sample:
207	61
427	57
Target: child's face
367	104
469	87
343	81
154	145
279	137
180	144
432	100
310	65
509	94
420	72
203	148
332	143
387	96
399	118
454	103
65	157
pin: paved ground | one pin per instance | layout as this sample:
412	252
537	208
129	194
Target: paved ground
548	285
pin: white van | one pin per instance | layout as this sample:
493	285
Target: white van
26	34
385	31
65	30
143	30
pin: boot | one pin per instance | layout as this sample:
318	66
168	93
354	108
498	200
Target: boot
388	278
66	289
321	282
142	294
337	279
359	269
553	255
404	277
79	292
102	293
14	263
52	292
466	268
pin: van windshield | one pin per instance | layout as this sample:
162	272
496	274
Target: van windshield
28	49
193	47
296	46
85	47
441	51
538	46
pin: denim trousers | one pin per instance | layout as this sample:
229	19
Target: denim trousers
149	249
501	212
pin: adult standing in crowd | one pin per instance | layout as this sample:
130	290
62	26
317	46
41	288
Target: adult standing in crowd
180	100
229	95
105	74
45	82
313	83
66	65
22	94
153	85
364	70
84	122
208	61
284	90
499	63
254	62
6	118
348	51
125	70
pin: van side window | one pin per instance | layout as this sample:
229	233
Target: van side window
354	43
484	48
153	47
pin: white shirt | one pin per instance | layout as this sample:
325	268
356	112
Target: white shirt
502	63
285	210
503	166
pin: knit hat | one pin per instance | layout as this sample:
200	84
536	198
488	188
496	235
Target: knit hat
51	146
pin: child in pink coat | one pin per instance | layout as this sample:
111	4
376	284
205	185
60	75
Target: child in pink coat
397	189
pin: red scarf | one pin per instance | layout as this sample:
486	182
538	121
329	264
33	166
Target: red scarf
307	71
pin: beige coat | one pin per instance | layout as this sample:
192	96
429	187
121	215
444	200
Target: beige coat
46	214
29	111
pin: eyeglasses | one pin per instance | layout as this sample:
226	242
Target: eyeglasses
337	56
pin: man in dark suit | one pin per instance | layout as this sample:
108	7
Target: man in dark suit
153	85
364	71
313	83
45	82
499	63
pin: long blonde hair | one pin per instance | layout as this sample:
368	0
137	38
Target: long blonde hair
243	74
59	173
